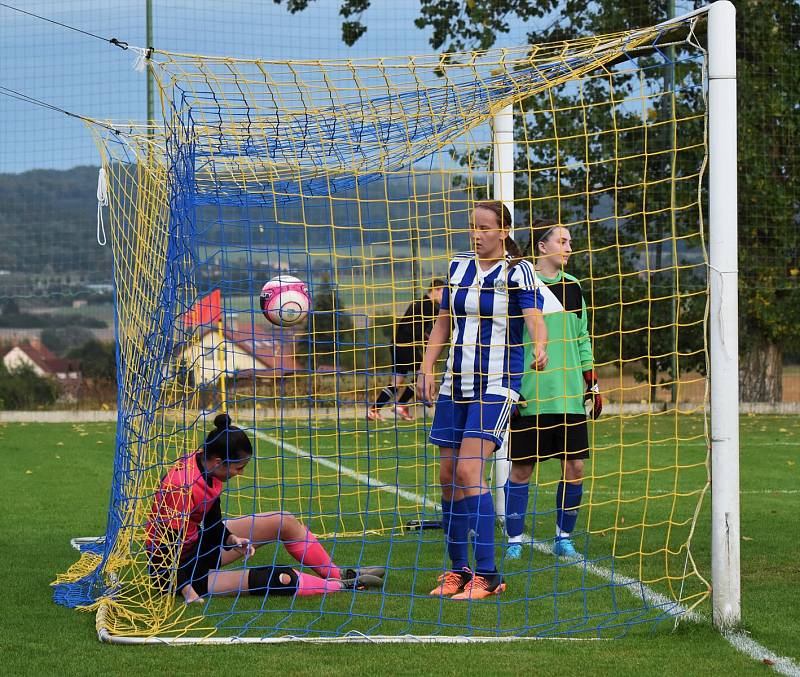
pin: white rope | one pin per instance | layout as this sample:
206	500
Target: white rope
102	201
140	62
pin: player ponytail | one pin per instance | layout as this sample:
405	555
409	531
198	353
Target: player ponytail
227	442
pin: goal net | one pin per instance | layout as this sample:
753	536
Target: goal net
358	177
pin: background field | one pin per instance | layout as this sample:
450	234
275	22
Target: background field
57	478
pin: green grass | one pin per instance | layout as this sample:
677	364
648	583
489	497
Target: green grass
58	476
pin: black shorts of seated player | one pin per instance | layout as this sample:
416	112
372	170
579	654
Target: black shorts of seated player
195	563
546	436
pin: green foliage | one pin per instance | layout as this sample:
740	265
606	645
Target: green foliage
62	340
21	388
768	50
333	340
98	359
768	64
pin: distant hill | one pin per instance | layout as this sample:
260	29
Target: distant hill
47	218
48	221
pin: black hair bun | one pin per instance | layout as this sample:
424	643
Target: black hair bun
222	422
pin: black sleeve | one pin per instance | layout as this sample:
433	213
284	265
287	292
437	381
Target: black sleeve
405	331
430	309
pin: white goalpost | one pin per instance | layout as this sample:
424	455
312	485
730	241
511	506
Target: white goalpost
723	323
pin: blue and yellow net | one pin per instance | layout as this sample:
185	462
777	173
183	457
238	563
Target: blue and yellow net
358	178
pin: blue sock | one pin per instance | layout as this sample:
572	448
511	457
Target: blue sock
568	500
481	522
516	507
457	533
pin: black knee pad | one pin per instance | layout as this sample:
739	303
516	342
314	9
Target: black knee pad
264	581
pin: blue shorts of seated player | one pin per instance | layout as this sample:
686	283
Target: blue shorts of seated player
485	418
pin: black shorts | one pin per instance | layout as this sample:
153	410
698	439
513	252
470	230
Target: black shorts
407	358
538	438
196	561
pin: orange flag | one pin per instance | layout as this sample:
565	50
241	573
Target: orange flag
206	310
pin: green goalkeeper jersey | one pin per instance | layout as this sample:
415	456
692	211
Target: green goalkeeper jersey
560	388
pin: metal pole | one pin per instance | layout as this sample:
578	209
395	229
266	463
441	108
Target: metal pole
150	85
674	276
503	187
724	340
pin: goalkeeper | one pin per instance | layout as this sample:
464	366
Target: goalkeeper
188	538
551	422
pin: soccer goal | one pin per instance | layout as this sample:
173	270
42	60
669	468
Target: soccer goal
357	178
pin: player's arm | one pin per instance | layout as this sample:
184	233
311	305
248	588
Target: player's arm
534	321
439	337
229	540
592	400
531	302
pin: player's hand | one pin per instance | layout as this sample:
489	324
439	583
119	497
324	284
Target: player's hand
243	545
592	400
426	388
539	357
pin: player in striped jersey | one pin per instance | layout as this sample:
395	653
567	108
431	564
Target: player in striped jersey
490	295
555	402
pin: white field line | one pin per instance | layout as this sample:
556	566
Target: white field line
745	644
632	585
738	640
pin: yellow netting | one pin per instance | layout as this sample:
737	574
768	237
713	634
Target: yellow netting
358	177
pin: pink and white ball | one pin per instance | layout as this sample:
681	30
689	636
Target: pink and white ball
285	300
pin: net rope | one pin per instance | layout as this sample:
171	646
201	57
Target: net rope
358	177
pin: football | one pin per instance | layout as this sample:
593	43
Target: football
285	300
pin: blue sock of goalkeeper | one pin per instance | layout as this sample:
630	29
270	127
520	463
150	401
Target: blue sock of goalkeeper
568	501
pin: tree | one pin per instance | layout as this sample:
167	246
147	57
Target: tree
62	340
98	359
332	338
768	51
23	389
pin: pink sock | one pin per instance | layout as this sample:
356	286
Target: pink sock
311	585
311	553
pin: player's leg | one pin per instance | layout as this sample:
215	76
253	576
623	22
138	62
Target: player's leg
446	432
400	358
406	362
281	580
522	452
487	423
455	526
412	368
570	489
299	542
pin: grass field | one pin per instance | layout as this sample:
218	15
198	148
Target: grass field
58	477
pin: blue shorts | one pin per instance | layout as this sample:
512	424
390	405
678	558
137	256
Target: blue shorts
486	419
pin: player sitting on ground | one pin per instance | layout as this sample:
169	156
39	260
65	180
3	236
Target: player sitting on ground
490	295
186	520
410	334
553	404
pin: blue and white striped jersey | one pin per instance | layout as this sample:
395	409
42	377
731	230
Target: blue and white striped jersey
486	351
